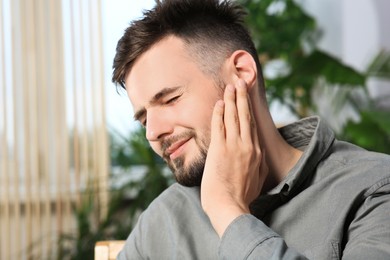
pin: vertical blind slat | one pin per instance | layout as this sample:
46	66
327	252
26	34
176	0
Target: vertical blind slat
4	197
16	160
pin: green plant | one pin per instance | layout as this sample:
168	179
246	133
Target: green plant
372	131
128	197
287	37
136	151
284	34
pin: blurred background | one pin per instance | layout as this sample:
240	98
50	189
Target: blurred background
75	168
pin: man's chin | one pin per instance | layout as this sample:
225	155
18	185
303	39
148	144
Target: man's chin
188	180
189	176
189	171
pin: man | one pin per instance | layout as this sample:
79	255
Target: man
246	190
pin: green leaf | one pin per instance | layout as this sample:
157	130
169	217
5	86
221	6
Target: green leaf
372	132
380	65
381	118
323	65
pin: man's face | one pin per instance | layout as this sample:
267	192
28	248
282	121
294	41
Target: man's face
174	100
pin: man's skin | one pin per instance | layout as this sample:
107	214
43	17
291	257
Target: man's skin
246	155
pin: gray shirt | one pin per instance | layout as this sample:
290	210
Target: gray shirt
334	203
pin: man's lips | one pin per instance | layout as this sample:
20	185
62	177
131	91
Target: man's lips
174	149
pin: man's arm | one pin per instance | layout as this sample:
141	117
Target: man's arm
368	235
234	174
248	238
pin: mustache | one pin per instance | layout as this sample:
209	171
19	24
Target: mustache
166	143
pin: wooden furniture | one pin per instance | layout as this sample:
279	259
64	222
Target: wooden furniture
108	250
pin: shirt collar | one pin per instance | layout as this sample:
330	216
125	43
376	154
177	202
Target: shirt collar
314	138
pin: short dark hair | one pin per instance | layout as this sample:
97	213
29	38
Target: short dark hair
211	29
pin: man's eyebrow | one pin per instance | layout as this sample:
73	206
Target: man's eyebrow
155	100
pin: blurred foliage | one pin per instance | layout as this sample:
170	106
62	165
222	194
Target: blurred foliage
380	65
286	39
136	151
128	197
284	33
373	130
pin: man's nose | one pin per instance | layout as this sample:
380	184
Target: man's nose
157	125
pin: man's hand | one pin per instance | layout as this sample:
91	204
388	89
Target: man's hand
231	178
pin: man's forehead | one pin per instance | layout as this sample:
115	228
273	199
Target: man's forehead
164	52
165	64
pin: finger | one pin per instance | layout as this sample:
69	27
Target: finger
244	111
253	126
217	124
264	170
230	115
255	140
255	137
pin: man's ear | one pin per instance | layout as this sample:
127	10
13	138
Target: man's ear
244	67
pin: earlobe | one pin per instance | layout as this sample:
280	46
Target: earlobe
245	67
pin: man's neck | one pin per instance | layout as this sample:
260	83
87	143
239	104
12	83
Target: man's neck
280	160
280	156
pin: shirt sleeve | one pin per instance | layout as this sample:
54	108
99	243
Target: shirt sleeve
369	232
249	238
133	248
130	250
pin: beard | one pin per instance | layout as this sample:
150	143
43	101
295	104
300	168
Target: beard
190	175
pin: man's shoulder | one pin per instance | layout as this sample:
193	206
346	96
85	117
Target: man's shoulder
355	163
345	153
168	228
176	197
176	190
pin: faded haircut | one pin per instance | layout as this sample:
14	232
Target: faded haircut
210	29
